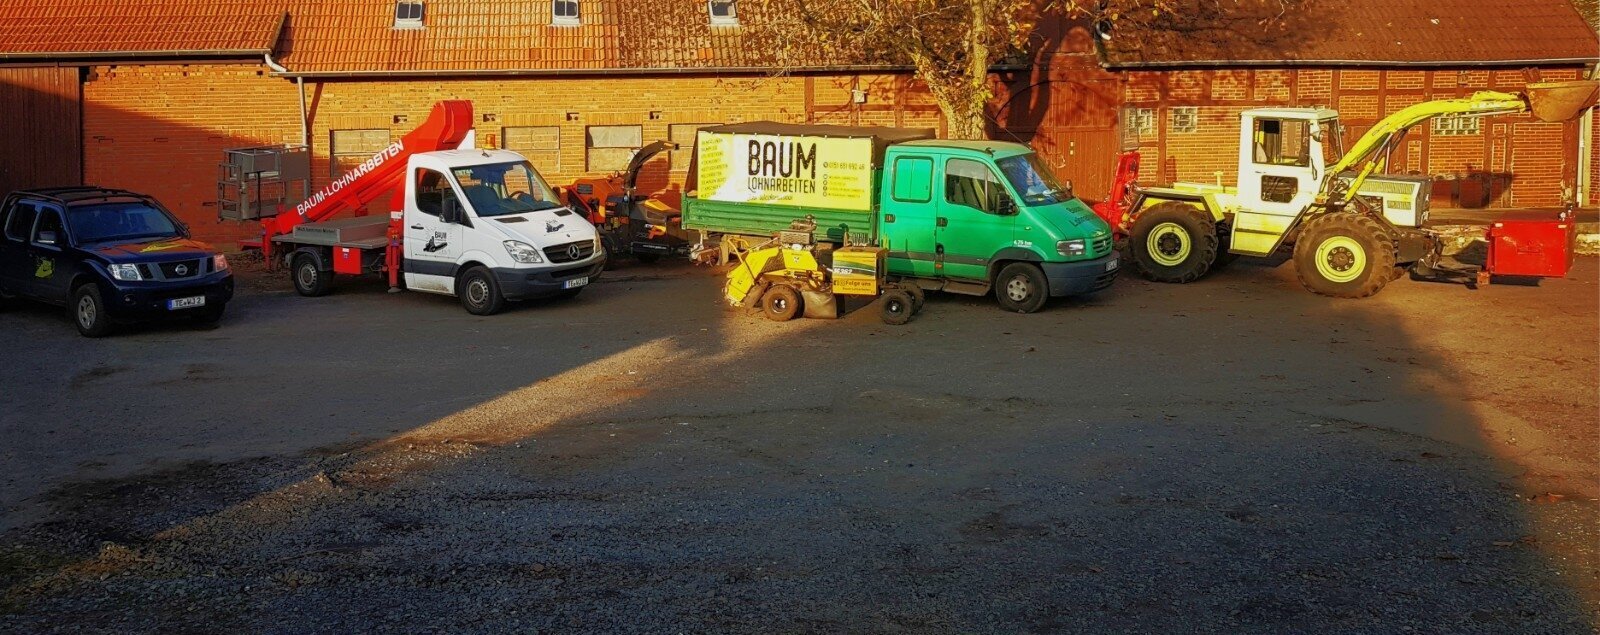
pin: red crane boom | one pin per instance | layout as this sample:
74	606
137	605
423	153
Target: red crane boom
384	173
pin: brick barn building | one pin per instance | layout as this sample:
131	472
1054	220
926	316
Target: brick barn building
147	95
1187	77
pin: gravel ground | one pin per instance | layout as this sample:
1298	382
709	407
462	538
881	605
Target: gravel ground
1232	456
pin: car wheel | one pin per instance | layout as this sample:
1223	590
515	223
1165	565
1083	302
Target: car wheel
919	298
1021	287
89	312
897	307
480	292
781	303
309	279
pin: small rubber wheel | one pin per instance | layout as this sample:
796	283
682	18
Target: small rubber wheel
1021	287
1173	242
479	292
89	312
209	314
781	303
897	307
309	280
1344	255
919	298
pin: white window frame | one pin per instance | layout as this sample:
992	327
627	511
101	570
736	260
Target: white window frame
731	18
1142	121
1457	126
335	153
1185	119
505	142
409	22
557	19
589	147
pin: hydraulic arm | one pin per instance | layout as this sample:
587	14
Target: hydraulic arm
1559	101
447	126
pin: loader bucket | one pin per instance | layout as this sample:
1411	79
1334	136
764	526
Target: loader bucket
1561	101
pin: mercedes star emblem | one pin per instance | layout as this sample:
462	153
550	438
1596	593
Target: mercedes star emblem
574	251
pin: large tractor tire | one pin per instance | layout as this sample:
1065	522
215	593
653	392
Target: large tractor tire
1344	255
1173	242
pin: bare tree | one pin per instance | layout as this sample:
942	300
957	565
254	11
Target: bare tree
951	45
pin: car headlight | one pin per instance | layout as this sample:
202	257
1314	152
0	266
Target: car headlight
125	273
219	262
1071	247
598	247
523	252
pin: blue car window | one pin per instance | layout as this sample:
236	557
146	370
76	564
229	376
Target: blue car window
121	221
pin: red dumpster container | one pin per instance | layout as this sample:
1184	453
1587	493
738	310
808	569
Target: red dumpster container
1531	248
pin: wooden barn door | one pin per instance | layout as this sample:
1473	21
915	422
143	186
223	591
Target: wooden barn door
1070	119
42	128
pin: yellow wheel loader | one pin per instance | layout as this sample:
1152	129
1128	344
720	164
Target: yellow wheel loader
1352	228
790	276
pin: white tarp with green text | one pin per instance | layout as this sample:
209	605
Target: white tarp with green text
825	172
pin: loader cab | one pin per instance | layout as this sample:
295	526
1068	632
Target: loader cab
1284	154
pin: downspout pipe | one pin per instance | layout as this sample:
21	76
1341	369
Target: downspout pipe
305	124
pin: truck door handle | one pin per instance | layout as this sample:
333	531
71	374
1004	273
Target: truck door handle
888	218
416	227
942	222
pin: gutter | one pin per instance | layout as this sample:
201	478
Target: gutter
300	86
130	55
579	72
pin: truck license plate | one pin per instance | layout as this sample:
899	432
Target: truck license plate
186	303
575	283
1112	266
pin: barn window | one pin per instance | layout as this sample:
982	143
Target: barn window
684	134
1140	121
723	13
610	147
408	14
1457	126
564	12
541	144
350	148
1185	119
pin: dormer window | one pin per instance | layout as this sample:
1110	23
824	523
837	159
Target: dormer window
564	12
723	13
408	14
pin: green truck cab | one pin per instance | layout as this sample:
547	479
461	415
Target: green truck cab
965	217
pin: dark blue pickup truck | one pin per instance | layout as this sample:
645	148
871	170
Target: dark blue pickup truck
109	256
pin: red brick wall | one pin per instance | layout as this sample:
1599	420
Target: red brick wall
1513	160
161	130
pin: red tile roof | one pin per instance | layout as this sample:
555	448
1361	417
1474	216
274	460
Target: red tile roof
1361	32
358	36
136	28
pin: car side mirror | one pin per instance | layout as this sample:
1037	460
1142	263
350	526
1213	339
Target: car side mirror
451	210
47	237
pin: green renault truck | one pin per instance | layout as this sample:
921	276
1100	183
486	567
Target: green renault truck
965	217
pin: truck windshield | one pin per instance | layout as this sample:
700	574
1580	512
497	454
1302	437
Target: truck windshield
500	189
120	222
1033	180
